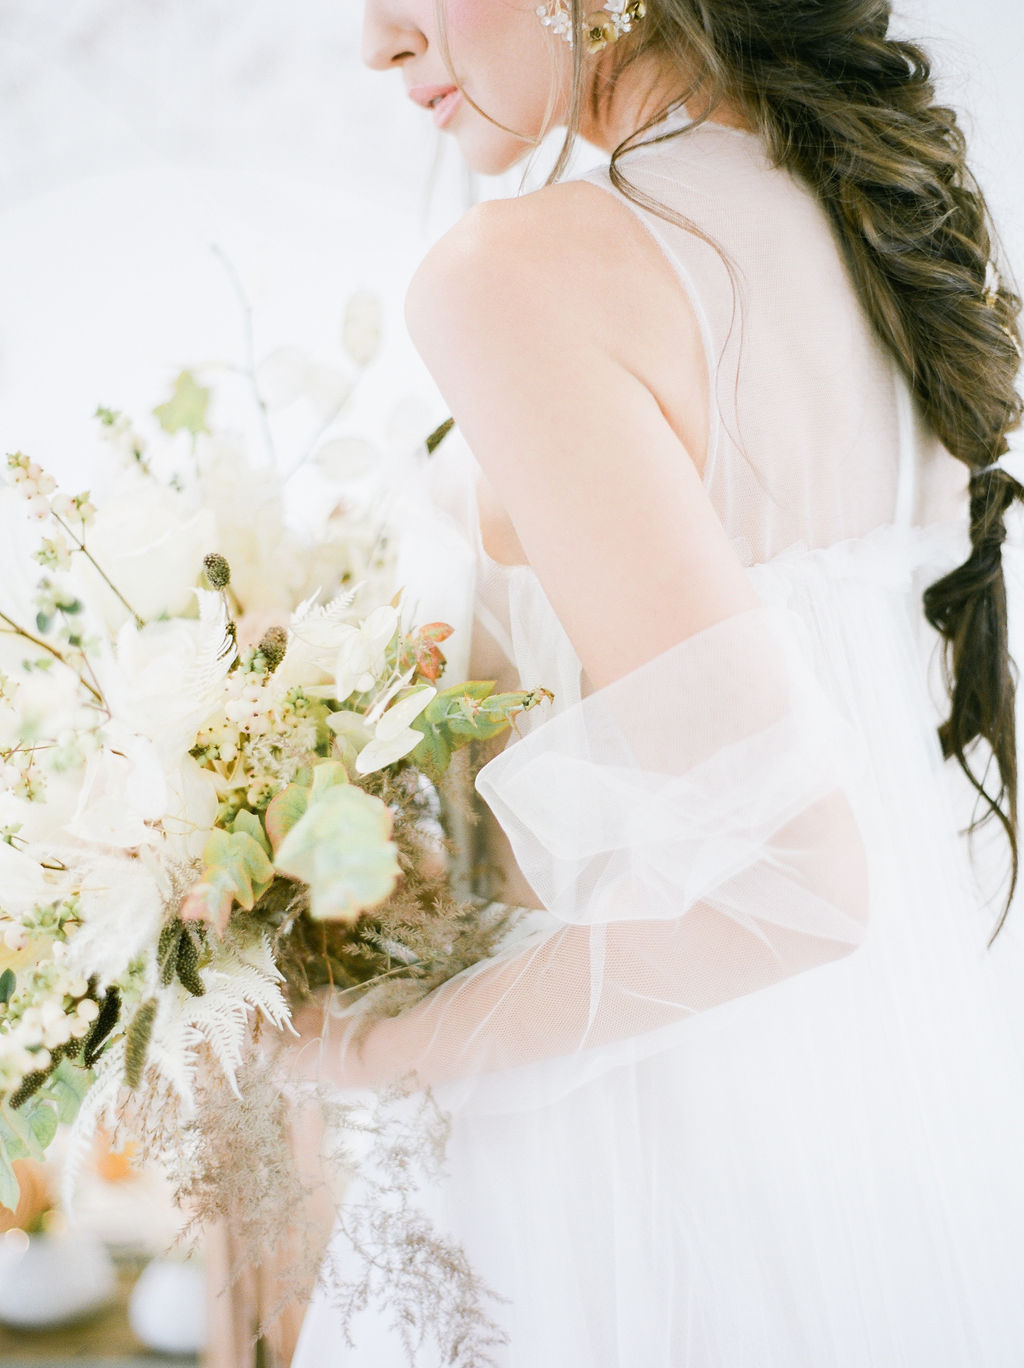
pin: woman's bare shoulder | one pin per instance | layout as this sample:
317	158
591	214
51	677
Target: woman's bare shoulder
528	318
565	268
536	251
570	246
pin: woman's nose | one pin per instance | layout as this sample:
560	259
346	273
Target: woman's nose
389	38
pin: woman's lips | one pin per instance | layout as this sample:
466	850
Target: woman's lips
442	101
446	107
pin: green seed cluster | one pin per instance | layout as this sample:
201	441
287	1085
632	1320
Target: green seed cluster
110	1013
178	956
137	1042
218	572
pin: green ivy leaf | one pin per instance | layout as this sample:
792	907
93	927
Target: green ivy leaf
327	775
238	870
211	900
242	859
251	825
283	811
186	408
341	848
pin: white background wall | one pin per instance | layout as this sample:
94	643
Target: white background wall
134	133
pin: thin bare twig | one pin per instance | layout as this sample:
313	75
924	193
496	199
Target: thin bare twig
52	650
249	369
81	546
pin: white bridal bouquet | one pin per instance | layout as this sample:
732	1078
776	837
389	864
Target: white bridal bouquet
221	748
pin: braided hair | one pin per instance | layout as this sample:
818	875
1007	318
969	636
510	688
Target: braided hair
852	112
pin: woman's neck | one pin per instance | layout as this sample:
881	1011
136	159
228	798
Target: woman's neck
638	93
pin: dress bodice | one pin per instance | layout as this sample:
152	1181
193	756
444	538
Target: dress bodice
814	438
814	446
813	435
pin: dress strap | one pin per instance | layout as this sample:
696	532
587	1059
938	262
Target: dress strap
656	228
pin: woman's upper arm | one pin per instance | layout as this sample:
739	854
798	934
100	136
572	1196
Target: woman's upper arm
511	313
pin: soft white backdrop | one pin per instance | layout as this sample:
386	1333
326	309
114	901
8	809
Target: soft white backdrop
133	135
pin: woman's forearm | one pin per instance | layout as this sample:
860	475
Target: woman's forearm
587	986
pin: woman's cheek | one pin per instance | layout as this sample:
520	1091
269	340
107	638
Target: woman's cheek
479	33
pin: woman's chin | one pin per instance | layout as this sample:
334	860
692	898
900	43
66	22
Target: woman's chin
490	156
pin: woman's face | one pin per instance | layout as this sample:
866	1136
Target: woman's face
513	67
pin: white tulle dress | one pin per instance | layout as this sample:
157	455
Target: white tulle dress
705	1113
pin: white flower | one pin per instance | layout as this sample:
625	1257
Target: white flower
267	560
23	882
347	458
167	677
315	632
351	733
124	790
393	736
150	542
122	907
361	653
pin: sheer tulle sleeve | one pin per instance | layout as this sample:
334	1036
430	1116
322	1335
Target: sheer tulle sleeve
690	830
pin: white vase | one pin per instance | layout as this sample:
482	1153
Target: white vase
167	1307
52	1279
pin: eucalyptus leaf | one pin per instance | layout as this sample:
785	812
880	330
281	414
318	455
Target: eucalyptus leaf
41	1117
28	1131
8	983
67	1087
10	1191
12	1142
18	1139
464	713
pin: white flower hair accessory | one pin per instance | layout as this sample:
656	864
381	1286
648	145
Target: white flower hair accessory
600	28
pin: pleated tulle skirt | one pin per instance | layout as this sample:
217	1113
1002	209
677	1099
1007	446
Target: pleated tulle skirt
828	1173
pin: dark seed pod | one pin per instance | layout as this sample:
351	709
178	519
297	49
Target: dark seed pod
30	1085
167	950
188	965
273	644
218	572
137	1042
110	1011
438	435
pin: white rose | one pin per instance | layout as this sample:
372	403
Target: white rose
150	542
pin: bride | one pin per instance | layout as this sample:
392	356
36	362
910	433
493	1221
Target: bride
745	1088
